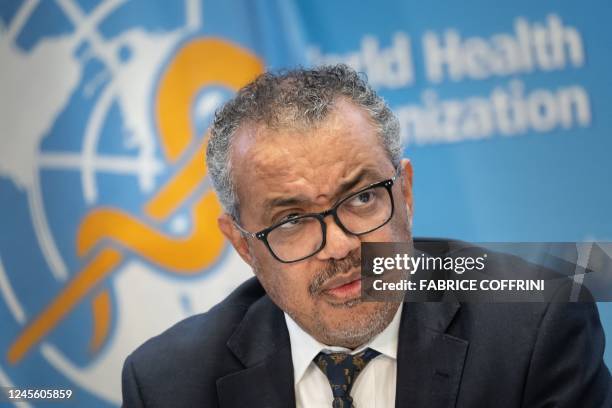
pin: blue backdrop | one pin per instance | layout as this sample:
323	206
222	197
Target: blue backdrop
107	218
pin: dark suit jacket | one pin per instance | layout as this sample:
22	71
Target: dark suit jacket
451	354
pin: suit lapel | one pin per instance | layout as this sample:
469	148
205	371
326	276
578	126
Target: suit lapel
261	343
430	362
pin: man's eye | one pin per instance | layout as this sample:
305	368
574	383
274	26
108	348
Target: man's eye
288	222
362	199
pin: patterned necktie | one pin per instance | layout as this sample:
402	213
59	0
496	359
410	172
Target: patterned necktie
342	370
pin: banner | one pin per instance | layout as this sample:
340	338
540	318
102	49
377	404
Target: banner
107	215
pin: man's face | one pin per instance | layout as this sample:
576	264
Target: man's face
288	172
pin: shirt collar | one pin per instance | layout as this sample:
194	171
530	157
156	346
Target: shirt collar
304	347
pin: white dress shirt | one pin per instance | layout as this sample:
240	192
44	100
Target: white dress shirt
375	385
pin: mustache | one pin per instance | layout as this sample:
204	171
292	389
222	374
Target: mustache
334	267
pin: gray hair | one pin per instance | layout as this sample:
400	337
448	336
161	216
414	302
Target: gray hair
290	99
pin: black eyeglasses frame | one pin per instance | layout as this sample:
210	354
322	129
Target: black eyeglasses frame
320	216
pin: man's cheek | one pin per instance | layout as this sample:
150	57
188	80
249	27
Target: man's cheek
289	287
384	234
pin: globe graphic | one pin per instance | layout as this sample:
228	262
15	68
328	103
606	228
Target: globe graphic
91	142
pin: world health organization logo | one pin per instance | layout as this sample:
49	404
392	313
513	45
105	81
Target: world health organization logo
108	217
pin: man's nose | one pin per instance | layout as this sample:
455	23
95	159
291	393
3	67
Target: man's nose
338	243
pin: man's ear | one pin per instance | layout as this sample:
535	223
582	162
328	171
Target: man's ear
407	184
235	236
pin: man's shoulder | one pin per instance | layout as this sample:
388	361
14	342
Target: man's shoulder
199	336
503	314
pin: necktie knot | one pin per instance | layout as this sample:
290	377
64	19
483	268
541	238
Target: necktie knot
341	370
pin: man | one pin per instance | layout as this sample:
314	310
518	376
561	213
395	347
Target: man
307	166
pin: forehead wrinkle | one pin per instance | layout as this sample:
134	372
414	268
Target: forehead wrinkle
345	120
343	186
311	162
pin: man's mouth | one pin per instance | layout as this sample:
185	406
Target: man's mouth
343	287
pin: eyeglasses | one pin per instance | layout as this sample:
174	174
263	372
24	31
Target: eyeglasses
298	237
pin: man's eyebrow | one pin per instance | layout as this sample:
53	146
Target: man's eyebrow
279	202
345	186
286	201
348	185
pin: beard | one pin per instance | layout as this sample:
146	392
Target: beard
361	320
357	329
